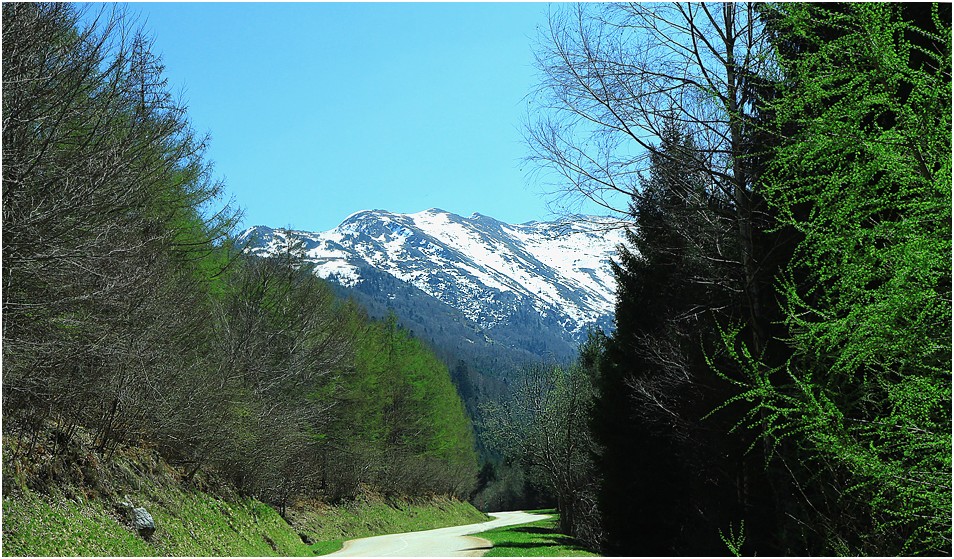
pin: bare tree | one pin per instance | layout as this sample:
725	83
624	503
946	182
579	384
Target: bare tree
617	77
108	207
543	426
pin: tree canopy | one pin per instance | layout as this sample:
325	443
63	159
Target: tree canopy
130	316
779	380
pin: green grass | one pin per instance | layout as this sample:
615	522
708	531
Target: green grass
76	518
198	524
188	524
324	548
536	539
35	525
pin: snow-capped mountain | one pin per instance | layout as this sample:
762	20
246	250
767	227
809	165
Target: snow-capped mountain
550	275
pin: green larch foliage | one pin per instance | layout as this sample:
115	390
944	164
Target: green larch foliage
129	313
866	179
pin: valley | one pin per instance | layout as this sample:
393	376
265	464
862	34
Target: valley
734	339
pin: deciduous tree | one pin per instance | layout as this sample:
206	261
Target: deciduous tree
865	176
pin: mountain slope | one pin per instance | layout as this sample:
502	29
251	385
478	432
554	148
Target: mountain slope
520	290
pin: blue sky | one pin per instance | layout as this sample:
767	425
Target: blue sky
318	110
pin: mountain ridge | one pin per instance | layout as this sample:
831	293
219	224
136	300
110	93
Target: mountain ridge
537	287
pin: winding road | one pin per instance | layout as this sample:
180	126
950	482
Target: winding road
454	541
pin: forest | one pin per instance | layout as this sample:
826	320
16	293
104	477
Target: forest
129	314
779	379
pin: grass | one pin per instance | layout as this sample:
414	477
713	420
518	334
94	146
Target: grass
536	539
188	524
76	517
324	548
198	524
39	526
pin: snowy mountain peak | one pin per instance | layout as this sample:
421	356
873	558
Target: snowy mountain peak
489	270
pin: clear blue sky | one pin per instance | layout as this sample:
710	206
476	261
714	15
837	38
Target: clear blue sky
318	110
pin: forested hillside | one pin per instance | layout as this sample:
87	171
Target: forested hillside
129	316
779	380
489	297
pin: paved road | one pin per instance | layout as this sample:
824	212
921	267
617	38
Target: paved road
442	542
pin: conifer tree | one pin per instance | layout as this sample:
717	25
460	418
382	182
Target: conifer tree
864	174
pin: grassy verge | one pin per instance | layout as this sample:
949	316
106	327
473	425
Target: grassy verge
75	512
536	539
197	524
188	524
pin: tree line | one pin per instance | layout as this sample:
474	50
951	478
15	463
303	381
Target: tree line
779	379
129	313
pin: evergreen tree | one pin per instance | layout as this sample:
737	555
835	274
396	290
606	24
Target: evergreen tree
864	174
669	468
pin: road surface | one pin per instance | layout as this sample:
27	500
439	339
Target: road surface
442	542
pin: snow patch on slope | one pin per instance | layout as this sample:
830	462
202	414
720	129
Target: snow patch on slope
487	269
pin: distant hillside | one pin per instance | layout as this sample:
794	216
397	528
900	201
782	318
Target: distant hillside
488	295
